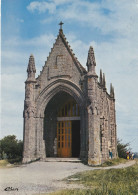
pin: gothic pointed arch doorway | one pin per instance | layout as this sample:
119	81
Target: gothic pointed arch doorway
62	126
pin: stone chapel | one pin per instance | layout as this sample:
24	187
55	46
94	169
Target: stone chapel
68	112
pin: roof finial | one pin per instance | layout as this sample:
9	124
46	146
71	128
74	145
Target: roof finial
91	61
31	70
112	94
104	82
61	23
101	78
111	89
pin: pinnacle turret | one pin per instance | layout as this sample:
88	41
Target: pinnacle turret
112	91
101	78
104	82
31	70
91	61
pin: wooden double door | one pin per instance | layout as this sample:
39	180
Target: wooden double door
64	138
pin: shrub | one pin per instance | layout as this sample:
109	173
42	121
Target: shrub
11	148
15	160
122	149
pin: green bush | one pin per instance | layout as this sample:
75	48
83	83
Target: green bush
15	160
122	149
11	148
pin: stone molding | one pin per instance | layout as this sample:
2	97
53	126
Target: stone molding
55	87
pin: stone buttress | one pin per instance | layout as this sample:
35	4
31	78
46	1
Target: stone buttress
29	112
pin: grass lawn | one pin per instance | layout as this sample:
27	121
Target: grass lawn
4	164
105	182
7	164
112	162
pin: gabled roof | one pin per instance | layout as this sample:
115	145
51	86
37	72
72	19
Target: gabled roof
66	43
61	34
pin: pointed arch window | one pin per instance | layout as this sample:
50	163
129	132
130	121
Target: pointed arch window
69	109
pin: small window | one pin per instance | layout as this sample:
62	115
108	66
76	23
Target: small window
58	144
69	109
66	131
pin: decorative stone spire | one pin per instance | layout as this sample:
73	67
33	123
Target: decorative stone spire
31	70
111	91
104	82
101	78
91	61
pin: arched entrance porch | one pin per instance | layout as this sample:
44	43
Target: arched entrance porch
62	126
58	90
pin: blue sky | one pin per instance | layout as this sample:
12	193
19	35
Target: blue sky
111	27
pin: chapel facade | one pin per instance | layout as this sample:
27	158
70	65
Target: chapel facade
67	109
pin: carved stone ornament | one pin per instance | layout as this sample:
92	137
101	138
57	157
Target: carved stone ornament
90	109
30	112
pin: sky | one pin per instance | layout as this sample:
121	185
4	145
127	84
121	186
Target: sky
31	27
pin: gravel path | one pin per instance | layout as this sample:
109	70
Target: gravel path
39	177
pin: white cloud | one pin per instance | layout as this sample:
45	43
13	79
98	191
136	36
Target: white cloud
12	103
47	20
121	16
41	7
13	83
20	20
41	41
59	2
117	17
79	47
15	53
12	125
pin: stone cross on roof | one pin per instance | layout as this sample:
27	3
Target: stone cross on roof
61	23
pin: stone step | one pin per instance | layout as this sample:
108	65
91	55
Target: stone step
76	160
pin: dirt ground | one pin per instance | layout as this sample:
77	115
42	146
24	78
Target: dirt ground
40	177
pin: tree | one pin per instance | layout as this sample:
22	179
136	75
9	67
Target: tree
122	149
12	147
